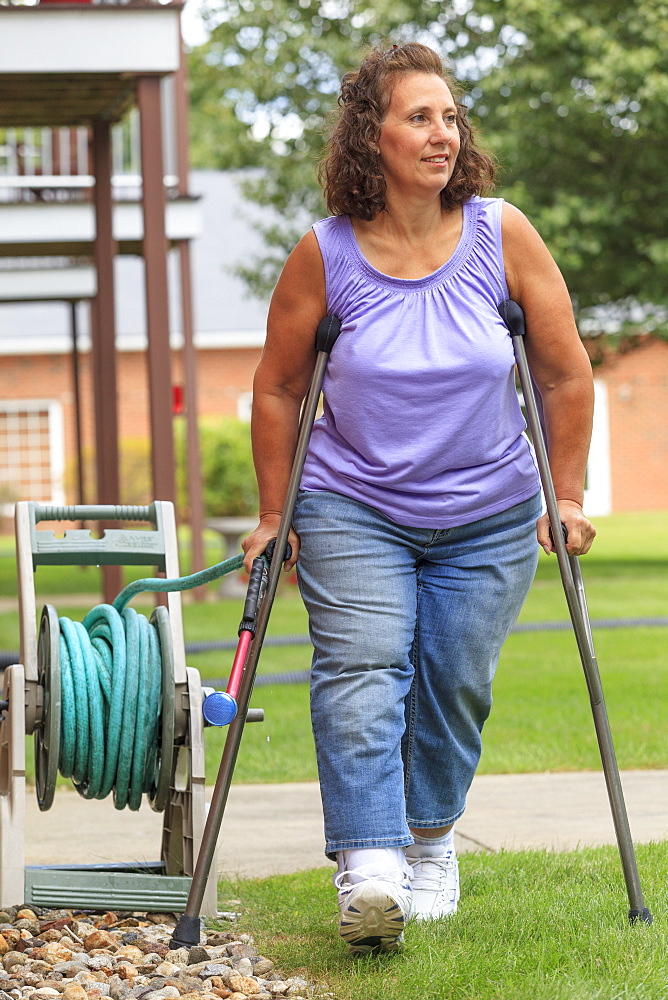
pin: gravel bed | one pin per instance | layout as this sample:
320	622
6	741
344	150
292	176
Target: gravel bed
54	954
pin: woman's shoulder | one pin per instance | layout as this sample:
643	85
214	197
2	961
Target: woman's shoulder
485	206
483	202
331	224
515	224
334	236
319	232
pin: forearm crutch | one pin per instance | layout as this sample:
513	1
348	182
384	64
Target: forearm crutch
571	577
187	931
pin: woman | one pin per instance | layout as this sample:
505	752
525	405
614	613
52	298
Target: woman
416	520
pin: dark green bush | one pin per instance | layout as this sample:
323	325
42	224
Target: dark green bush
134	473
228	477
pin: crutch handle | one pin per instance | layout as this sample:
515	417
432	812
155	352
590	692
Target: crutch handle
564	531
269	551
256	584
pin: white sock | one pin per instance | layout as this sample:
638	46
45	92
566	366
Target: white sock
431	847
371	861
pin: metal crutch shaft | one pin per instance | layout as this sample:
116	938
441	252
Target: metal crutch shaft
571	577
187	931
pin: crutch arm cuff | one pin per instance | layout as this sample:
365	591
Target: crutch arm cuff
327	333
512	315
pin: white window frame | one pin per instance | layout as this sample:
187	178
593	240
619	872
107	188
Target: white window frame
598	495
56	434
244	406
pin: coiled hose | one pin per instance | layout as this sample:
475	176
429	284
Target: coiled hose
111	674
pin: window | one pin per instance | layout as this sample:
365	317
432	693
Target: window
244	406
31	451
598	490
597	498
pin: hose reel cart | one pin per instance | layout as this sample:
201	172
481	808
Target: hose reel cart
133	727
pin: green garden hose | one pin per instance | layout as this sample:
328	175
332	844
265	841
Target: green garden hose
110	694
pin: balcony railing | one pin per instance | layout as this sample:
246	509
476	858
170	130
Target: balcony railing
53	165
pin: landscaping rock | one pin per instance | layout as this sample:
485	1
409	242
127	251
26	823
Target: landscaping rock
198	955
262	967
100	939
74	991
55	952
63	955
243	984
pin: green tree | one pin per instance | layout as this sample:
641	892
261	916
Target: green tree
570	96
575	111
276	66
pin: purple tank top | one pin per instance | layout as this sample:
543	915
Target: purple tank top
421	417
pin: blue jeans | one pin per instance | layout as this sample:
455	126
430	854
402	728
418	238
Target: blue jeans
407	625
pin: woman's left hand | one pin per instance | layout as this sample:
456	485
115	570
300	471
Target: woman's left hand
581	532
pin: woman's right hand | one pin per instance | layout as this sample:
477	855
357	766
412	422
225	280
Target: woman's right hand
256	543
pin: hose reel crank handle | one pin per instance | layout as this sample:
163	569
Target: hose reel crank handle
219	708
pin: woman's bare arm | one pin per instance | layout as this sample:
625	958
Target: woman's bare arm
561	370
281	382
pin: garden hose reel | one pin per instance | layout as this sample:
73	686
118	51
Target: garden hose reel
48	735
35	688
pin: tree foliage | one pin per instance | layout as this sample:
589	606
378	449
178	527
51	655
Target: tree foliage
570	96
574	112
228	477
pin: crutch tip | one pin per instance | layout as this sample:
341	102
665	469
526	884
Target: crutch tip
219	708
186	933
642	916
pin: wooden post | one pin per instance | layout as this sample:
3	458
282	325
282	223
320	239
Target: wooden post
76	387
105	388
194	462
157	306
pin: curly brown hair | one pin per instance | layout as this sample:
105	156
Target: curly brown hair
350	170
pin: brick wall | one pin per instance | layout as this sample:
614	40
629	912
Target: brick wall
40	378
223	376
637	384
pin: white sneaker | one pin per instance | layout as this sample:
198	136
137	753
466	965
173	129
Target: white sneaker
435	886
374	911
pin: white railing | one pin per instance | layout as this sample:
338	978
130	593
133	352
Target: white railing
47	165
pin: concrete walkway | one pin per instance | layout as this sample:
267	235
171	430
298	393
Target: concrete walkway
271	829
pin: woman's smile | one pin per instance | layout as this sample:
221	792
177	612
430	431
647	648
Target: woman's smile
419	130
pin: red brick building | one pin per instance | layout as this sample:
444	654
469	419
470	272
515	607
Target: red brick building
628	462
628	467
636	385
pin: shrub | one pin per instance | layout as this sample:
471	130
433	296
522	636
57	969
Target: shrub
228	476
134	473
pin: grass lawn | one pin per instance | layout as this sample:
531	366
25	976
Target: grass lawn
541	718
531	925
